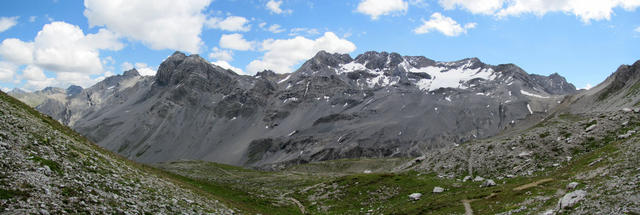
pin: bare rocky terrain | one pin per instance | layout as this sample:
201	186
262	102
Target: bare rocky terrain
46	168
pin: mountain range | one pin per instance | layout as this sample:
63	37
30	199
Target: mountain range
334	106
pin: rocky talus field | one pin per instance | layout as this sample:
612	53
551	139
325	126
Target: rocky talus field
46	168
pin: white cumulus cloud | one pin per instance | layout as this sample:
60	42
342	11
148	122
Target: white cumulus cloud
63	49
282	54
637	29
275	28
221	54
145	70
274	7
226	65
235	42
35	78
586	10
159	24
142	68
7	22
444	25
7	71
231	23
377	8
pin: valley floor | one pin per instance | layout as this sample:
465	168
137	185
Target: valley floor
606	172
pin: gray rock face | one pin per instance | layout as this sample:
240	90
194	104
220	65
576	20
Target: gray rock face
333	106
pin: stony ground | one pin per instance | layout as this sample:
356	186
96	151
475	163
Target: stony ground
45	168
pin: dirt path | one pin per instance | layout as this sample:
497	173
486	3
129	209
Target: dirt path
467	207
467	204
295	201
530	185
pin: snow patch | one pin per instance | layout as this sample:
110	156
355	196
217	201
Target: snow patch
285	79
529	107
533	94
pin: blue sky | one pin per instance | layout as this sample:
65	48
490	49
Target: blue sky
63	42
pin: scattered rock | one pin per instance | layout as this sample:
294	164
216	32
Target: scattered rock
590	128
415	196
367	171
626	135
478	179
488	183
466	178
524	154
572	185
571	199
438	190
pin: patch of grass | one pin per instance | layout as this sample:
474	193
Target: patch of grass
544	134
53	166
69	192
239	198
8	194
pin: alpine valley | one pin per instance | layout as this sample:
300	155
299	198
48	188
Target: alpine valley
380	133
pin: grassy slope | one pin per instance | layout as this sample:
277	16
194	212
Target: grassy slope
55	125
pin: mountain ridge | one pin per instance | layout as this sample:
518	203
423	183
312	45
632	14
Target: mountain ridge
371	103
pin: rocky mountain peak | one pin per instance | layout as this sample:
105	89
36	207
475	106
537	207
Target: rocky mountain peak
179	66
323	59
74	90
379	60
131	72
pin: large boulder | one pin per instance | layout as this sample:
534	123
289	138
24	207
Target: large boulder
571	199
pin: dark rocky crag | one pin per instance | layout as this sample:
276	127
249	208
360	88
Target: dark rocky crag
333	106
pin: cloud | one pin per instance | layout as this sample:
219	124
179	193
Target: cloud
275	28
7	71
35	78
282	54
637	29
16	51
145	70
303	31
486	7
444	25
63	49
274	7
7	22
585	10
32	18
221	54
226	65
126	66
235	42
159	24
231	23
142	68
377	8
586	87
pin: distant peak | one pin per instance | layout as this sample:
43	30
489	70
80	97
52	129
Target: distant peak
178	53
265	73
323	59
131	72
